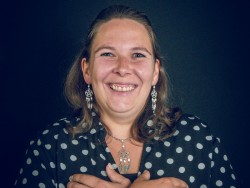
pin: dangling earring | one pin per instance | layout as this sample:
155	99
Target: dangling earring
89	99
154	99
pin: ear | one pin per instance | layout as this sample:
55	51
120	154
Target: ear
156	72
86	71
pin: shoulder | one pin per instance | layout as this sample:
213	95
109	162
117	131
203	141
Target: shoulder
192	126
52	132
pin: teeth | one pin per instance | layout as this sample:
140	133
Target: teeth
122	88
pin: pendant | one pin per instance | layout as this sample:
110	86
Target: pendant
124	160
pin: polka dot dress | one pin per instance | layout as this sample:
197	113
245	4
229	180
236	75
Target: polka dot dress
191	154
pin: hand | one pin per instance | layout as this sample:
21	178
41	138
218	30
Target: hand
167	182
89	181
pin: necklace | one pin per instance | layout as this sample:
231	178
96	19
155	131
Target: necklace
124	158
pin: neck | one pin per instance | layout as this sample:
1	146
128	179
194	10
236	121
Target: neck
119	128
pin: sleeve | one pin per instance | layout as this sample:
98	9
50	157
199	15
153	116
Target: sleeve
38	169
222	173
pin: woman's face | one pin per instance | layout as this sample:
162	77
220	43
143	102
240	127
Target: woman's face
121	68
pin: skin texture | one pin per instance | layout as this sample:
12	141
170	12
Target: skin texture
121	55
122	71
118	181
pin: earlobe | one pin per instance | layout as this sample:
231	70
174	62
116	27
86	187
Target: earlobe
85	71
156	72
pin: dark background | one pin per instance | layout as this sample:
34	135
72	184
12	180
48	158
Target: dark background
205	43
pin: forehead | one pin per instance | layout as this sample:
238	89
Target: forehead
122	29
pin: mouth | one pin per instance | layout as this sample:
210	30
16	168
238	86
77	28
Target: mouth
122	87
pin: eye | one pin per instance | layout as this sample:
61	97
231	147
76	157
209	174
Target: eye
138	55
108	54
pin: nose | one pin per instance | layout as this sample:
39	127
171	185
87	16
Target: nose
123	66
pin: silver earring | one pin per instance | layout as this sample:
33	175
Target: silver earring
89	99
154	99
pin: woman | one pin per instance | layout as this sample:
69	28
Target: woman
123	134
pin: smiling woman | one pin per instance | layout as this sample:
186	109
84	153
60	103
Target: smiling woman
123	132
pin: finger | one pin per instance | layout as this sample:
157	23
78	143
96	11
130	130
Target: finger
87	180
73	184
115	177
144	176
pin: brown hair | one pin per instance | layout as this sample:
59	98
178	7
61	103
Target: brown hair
164	118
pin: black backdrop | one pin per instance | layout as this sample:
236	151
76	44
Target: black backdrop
204	43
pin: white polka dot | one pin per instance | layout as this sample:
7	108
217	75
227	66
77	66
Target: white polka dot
65	131
160	172
32	142
92	131
212	164
45	132
166	143
203	125
225	158
35	173
191	117
216	150
187	138
21	171
83	169
92	145
75	142
158	154
209	138
199	146
56	124
42	165
148	165
181	169
170	161
103	173
28	161
222	170
201	166
219	183
150	123
196	128
52	165
107	150
114	166
61	185
85	152
73	158
48	146
233	176
210	155
93	161
190	157
148	149
179	150
191	179
24	181
63	166
56	136
39	142
203	186
36	153
183	122
156	137
232	187
102	156
176	133
41	185
93	114
64	146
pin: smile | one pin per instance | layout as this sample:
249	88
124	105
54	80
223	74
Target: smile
122	88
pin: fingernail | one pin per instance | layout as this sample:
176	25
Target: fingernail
70	178
110	166
145	171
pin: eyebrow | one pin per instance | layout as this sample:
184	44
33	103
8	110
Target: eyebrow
133	49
